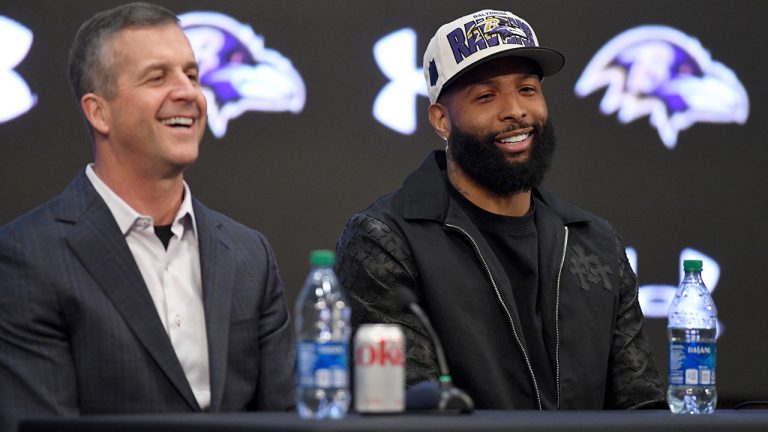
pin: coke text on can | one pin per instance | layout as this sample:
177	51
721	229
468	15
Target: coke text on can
379	368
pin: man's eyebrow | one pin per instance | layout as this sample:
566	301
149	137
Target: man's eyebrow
192	65
164	66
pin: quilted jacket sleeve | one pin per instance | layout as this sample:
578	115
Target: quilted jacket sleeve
372	260
633	380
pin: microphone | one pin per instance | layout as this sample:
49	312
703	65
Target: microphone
442	397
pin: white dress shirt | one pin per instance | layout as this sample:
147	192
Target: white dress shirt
172	277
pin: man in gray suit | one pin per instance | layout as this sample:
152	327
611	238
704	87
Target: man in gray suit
125	294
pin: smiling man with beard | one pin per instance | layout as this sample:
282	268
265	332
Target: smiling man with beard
533	297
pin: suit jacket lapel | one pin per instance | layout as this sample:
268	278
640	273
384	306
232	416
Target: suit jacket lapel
217	264
103	251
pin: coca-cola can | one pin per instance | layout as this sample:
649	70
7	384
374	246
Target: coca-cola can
379	368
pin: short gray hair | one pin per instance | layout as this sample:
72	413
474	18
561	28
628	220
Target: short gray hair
89	67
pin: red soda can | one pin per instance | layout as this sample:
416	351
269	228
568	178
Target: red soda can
379	369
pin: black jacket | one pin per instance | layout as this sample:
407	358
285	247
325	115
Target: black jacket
418	237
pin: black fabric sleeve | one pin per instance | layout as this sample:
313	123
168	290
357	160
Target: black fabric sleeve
372	260
633	380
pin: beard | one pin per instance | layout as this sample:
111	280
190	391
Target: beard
487	165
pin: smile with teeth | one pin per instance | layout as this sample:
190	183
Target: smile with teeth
515	139
178	121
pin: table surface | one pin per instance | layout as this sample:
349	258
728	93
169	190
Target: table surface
560	421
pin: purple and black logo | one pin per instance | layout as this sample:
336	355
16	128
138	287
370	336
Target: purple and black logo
662	73
488	31
237	72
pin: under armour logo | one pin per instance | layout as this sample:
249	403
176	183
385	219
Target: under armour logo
589	270
17	97
395	105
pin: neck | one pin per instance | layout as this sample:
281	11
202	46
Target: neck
518	204
159	198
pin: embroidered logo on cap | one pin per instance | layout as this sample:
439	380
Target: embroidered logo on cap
488	30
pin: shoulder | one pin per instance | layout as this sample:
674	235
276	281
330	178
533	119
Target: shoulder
380	222
574	215
237	234
224	222
588	232
34	220
38	226
367	224
384	207
60	211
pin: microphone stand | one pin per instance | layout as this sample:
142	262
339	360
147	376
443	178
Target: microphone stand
440	397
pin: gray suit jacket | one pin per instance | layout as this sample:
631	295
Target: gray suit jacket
79	333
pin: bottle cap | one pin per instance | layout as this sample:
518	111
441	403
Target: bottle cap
692	265
322	257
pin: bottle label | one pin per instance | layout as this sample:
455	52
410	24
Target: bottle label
323	365
692	363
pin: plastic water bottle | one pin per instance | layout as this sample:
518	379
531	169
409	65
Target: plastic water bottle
692	329
323	332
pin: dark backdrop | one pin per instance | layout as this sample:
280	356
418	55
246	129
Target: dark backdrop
298	177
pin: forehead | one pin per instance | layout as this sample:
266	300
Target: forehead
499	67
139	45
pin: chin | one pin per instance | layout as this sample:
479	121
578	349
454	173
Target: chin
518	158
183	159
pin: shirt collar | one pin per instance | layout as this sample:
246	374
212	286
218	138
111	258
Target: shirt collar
126	217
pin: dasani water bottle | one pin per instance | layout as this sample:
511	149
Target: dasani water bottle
323	334
692	329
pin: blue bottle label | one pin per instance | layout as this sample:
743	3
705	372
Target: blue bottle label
692	363
323	365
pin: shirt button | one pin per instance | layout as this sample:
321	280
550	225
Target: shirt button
178	320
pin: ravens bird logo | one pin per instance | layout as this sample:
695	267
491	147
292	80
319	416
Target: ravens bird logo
237	72
662	73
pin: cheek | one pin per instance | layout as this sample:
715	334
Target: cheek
539	109
202	102
473	120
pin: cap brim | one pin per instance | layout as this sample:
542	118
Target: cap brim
550	61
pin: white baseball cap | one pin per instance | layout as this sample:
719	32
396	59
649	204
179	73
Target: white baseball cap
476	38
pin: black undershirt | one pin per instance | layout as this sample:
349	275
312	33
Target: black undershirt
514	241
163	232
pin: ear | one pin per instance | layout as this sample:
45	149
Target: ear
96	111
440	119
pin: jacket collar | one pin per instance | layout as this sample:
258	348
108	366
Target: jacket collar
424	194
218	268
97	241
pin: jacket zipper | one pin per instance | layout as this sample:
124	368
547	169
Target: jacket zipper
506	310
557	319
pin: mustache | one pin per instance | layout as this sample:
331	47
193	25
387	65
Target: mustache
537	127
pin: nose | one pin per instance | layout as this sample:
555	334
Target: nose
185	87
512	108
